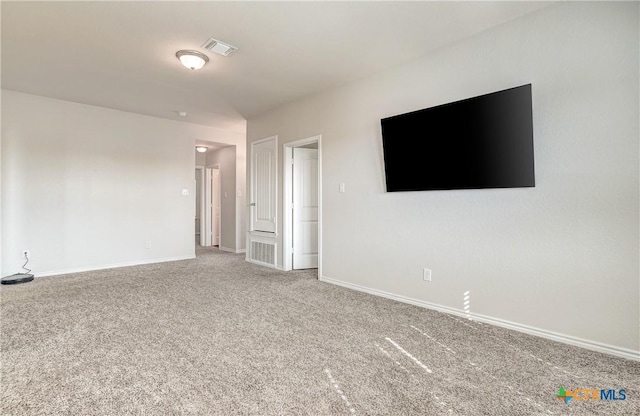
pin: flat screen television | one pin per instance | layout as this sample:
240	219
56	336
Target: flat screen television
480	142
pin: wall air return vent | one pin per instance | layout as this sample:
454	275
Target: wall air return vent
263	252
218	47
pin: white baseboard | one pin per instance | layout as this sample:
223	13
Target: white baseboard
260	263
110	266
233	250
566	339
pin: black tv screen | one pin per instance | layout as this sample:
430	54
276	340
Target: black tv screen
479	142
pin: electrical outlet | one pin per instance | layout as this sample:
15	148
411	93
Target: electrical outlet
147	244
26	254
426	275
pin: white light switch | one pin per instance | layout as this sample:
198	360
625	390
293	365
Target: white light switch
185	192
341	187
426	275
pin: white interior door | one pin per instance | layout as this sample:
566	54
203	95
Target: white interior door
199	220
215	207
212	207
305	208
207	206
263	193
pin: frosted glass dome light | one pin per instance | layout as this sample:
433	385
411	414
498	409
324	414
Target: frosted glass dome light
193	60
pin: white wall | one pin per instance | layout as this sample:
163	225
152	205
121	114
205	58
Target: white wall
558	259
201	158
86	187
225	158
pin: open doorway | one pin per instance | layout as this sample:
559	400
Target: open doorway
302	226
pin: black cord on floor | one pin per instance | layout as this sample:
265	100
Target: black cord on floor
26	256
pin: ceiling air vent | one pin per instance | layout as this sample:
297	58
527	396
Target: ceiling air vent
218	47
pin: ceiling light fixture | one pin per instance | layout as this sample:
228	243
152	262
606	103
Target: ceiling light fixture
201	149
192	59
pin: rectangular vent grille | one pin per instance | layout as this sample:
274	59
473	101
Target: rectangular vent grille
263	252
218	47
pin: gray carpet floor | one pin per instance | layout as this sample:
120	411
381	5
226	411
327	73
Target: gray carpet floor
219	336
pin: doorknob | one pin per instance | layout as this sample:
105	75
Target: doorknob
253	204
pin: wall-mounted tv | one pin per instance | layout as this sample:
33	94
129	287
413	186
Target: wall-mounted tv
480	142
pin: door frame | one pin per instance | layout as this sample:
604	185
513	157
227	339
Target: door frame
202	204
287	226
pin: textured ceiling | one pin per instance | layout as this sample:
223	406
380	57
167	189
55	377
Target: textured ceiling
121	55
